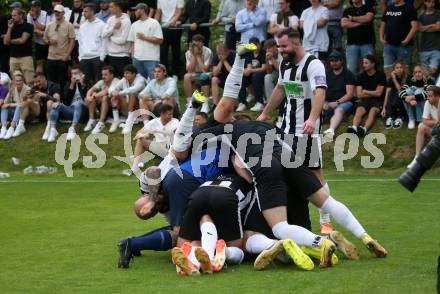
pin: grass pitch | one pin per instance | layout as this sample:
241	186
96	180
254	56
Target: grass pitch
59	235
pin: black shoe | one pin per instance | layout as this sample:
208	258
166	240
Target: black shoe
361	131
125	253
352	130
137	253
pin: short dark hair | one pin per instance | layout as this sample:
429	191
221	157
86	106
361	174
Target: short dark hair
270	43
371	58
75	66
434	89
164	108
131	68
120	4
162	67
198	38
203	114
90	5
40	74
110	69
291	34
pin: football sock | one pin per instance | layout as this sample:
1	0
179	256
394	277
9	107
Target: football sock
115	114
233	81
257	243
234	255
209	238
324	218
343	216
299	235
158	240
182	136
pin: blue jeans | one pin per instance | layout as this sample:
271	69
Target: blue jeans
414	112
335	34
354	53
257	81
72	112
8	112
392	53
145	67
430	59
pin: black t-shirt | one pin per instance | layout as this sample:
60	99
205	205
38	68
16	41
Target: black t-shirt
224	72
51	89
370	83
336	84
430	40
236	183
16	32
398	23
363	34
390	84
256	61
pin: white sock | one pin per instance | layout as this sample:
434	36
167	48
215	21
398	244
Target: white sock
343	216
234	255
192	257
299	235
324	218
209	238
233	81
115	114
255	244
130	117
21	122
182	136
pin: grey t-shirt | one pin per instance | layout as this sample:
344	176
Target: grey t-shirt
430	41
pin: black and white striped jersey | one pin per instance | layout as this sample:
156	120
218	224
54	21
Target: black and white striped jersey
299	82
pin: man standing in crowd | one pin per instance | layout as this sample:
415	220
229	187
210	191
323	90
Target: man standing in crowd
116	34
314	22
358	20
226	14
39	19
251	22
91	44
197	12
19	38
429	51
75	17
59	35
146	37
397	30
334	29
105	13
168	14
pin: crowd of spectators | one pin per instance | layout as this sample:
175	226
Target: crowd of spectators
78	62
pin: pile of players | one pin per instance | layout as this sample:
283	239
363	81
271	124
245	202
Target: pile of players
232	187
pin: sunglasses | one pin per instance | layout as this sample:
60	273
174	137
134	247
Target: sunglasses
57	28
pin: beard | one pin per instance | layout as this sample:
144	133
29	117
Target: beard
289	57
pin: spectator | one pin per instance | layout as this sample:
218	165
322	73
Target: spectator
397	30
313	22
91	44
273	61
430	118
105	13
11	108
334	29
72	107
168	14
254	72
413	94
271	7
197	12
198	64
339	94
77	18
39	101
251	22
162	89
50	11
4	49
146	37
99	95
393	109
200	119
124	97
370	90
429	25
116	33
152	5
283	19
226	14
39	19
5	83
19	37
384	4
298	6
358	21
60	36
163	128
222	64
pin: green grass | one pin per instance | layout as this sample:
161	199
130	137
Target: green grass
59	236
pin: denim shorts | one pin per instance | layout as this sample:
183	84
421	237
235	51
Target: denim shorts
430	59
392	53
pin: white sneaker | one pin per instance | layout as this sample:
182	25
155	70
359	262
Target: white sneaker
411	124
329	134
19	130
241	107
250	98
71	134
9	133
89	126
412	163
46	133
114	126
98	128
389	123
53	134
3	132
257	107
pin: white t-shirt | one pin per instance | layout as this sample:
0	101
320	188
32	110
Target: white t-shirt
430	111
315	39
4	78
100	85
293	22
42	19
154	126
168	9
207	58
144	50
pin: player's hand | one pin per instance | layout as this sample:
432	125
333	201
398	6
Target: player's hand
263	117
309	126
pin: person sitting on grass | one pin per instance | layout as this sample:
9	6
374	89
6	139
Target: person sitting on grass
393	109
430	118
99	95
370	90
222	64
